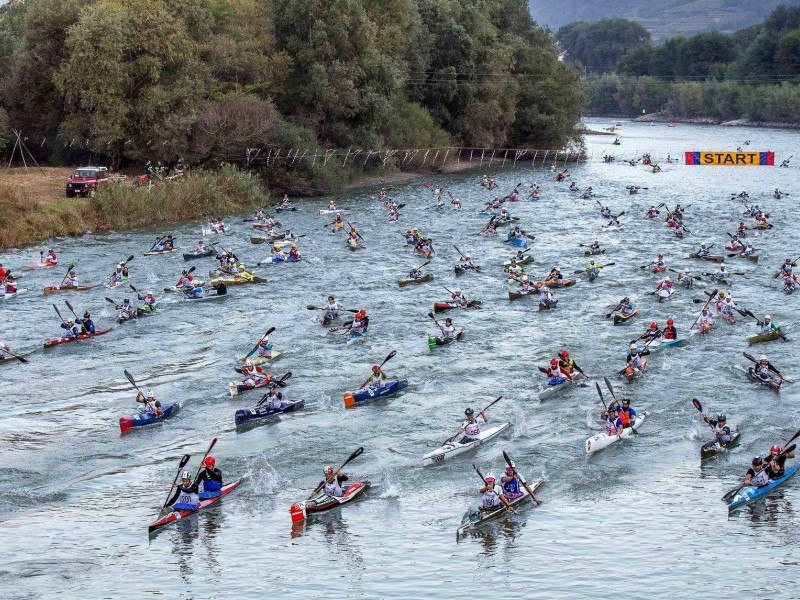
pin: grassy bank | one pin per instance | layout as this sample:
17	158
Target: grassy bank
33	206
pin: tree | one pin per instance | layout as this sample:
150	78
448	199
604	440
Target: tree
599	46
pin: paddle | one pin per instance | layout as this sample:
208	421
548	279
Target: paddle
8	351
509	508
69	268
613	310
255	348
71	309
489	224
132	380
524	483
769	366
697	277
487	407
282	381
182	464
600	393
790	448
710	297
353	229
354	455
778	274
389	357
210	446
111	301
312	307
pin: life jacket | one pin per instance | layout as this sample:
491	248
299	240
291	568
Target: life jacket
566	365
624	416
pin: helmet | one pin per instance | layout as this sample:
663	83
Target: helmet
554	361
653	325
241	267
150	394
86	315
612	408
686	270
775	449
509	469
457	290
467	256
756	460
721	417
670	322
525	278
703	245
591	261
248	363
185	475
294	245
448	320
722	265
762	357
722	292
70	322
327	470
210	461
667	279
376	369
767	317
490	478
469	412
184	272
272	385
545	288
634	349
626	401
565	354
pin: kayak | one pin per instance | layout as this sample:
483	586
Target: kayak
423	279
555	284
436	341
459	270
238	280
328	211
590	253
711	448
733	247
159	252
361	397
658	269
630	373
475	518
115	284
147	418
519	242
175	288
517	295
455	447
322	501
770	383
620	318
251	414
81	336
721	280
208	296
552	390
41	265
353	245
749	493
6	359
277	259
710	258
502	222
140	312
665	293
180	514
765	337
523	261
602	440
751	257
656	344
443	306
552	305
204	254
9	295
262	360
236	388
67	288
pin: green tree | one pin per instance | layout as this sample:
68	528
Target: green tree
599	46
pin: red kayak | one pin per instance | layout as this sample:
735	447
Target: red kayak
179	514
81	336
322	501
41	265
442	306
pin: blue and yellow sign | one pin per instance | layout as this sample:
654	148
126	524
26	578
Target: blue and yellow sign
731	159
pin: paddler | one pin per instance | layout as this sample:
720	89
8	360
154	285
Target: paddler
471	428
592	269
186	496
504	214
734	244
448	330
555	275
117	276
613	423
605	212
626	307
705	321
72	329
790	283
168	244
680	230
211	478
294	254
721	272
466	262
595	247
265	348
272	399
415	273
285	201
555	376
525	286
255	376
5	272
51	257
546	299
185	280
635	362
196	291
332	205
775	462
686	278
376	379
519	256
148	298
458	298
491	228
747	249
565	364
787	266
573	187
703	250
511	484
665	284
517	233
490	495
720	428
651	334
670	332
151	405
7	286
338	223
126	309
763	371
86	323
278	253
624	412
72	280
410	239
333	482
652	213
614	222
201	247
514	270
360	322
756	475
332	308
659	264
742	230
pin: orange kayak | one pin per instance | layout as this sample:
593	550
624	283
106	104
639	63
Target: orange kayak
66	288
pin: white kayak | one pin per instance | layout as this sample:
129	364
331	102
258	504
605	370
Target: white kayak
260	360
663	294
456	447
603	440
9	296
327	211
552	390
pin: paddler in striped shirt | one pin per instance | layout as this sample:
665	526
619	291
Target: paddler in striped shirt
613	422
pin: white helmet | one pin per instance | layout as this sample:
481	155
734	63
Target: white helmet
686	270
458	290
722	265
524	278
490	478
767	317
150	394
667	279
248	363
762	357
545	288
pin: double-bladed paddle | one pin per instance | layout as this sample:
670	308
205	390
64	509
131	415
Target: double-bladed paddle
182	464
354	455
710	297
487	407
389	357
769	366
8	351
524	483
255	348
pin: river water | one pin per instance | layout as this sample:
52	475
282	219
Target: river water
641	518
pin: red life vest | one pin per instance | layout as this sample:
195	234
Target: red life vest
625	416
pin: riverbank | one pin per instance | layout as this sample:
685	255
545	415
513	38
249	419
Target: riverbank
665	117
33	207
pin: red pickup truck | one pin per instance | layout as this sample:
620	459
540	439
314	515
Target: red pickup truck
86	181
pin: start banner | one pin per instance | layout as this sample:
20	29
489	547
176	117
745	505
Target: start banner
731	159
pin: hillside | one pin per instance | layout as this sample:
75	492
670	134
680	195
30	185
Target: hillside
663	19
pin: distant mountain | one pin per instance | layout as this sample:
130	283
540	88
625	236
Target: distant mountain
664	19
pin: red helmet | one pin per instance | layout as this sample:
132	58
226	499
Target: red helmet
775	450
565	354
554	361
376	369
670	322
653	325
209	462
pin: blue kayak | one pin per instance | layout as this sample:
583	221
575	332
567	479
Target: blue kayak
277	259
147	418
520	242
366	395
749	493
251	414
